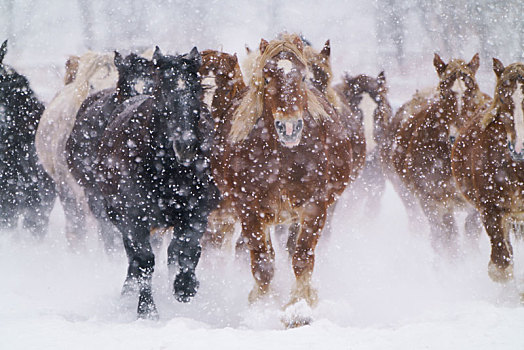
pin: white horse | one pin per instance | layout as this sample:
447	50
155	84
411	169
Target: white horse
95	72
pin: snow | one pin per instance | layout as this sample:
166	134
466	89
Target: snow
380	287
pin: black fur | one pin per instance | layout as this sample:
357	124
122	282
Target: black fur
25	188
91	120
145	183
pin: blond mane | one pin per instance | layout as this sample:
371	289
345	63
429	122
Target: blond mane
251	106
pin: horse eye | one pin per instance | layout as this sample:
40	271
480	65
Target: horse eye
303	78
266	80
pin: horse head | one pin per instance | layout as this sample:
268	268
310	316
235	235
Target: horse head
221	71
135	75
178	94
319	67
279	90
458	87
508	101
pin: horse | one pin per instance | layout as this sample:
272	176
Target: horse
25	189
421	136
222	81
368	108
94	72
152	170
488	165
135	77
282	154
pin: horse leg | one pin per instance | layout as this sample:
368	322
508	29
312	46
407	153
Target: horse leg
256	234
500	267
473	226
141	264
221	226
36	218
75	217
312	222
185	250
8	200
291	244
444	231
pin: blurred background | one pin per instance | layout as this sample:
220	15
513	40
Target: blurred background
398	36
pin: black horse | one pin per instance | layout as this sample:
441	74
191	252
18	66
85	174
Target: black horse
153	170
135	78
25	188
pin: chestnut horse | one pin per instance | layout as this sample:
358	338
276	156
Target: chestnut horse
420	140
282	154
222	82
366	98
489	167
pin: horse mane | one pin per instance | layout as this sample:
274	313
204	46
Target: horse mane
251	106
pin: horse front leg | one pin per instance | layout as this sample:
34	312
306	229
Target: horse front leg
141	264
500	267
256	234
185	250
313	220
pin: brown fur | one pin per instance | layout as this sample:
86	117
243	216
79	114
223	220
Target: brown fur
420	146
268	183
487	175
71	68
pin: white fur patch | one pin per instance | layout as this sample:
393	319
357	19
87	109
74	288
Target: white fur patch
285	65
209	93
459	88
518	118
367	106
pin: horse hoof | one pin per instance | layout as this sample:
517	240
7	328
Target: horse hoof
147	308
130	287
257	293
185	286
500	275
297	314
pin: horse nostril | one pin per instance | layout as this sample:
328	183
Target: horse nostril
299	125
279	125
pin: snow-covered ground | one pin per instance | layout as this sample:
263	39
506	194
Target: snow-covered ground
380	287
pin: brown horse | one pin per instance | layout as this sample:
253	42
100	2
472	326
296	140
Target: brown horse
282	154
222	81
488	165
370	113
420	139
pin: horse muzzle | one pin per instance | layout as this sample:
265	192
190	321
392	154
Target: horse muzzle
289	131
185	151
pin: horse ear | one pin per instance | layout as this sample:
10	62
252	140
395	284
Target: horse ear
248	50
474	63
119	61
381	79
326	50
298	43
439	64
263	45
157	55
194	55
3	50
498	67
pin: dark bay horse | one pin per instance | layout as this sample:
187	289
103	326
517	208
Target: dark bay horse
153	171
488	165
135	77
25	188
284	154
421	136
368	109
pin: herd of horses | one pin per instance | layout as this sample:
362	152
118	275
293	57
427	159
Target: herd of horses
198	145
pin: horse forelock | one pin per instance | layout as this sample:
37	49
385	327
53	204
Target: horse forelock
252	104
